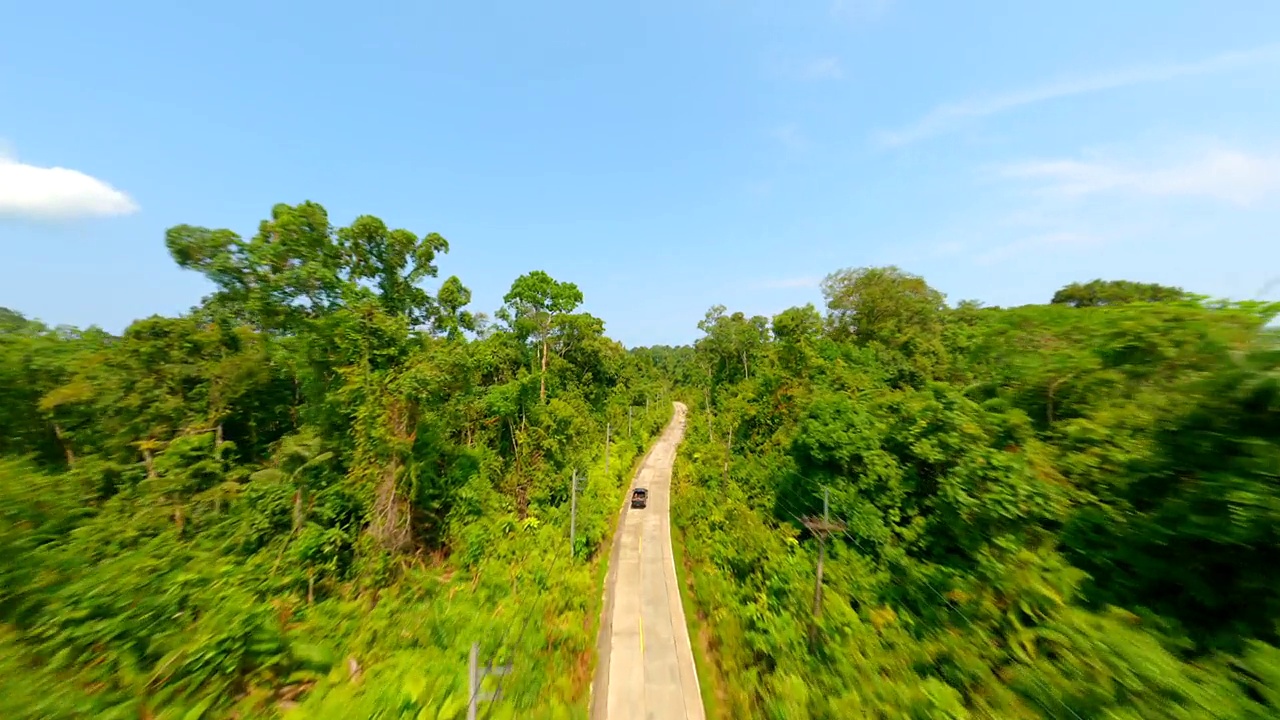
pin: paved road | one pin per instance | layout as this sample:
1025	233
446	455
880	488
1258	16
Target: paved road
645	669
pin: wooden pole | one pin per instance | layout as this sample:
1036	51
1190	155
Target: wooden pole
573	515
473	682
822	554
821	527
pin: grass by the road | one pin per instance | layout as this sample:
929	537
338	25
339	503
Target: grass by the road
709	680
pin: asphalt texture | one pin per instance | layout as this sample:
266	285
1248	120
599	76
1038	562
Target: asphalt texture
645	669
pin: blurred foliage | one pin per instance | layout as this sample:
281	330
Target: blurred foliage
311	494
1060	511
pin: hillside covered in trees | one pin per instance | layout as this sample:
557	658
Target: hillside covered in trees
314	491
1066	511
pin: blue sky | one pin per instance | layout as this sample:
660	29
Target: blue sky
665	156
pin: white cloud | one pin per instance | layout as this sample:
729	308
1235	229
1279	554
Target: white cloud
56	192
1222	174
1038	243
943	117
1095	198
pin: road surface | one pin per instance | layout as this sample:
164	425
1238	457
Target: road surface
645	669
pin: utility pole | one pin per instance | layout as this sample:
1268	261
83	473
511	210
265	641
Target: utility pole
822	553
573	515
711	436
608	427
821	527
476	675
728	452
628	422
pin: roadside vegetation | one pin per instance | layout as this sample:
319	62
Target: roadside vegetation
1065	511
308	496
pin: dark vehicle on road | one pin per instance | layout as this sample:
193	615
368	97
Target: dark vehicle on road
639	498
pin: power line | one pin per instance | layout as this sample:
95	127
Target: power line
497	693
476	675
474	679
789	508
846	532
942	597
524	626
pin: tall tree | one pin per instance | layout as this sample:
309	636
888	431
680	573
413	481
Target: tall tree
453	318
299	268
1115	292
883	305
532	306
394	262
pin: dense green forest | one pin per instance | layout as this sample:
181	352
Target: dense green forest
1068	511
310	495
314	491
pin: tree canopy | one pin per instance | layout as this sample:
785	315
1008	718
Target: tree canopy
1115	292
311	494
1066	510
316	489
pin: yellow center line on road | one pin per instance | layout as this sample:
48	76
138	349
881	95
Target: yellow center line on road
640	613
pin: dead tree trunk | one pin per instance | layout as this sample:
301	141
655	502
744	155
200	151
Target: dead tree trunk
297	509
391	511
542	383
66	446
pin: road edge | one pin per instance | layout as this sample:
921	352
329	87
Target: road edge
688	666
599	698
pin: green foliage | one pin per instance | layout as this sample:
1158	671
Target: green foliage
310	495
1047	511
1114	292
